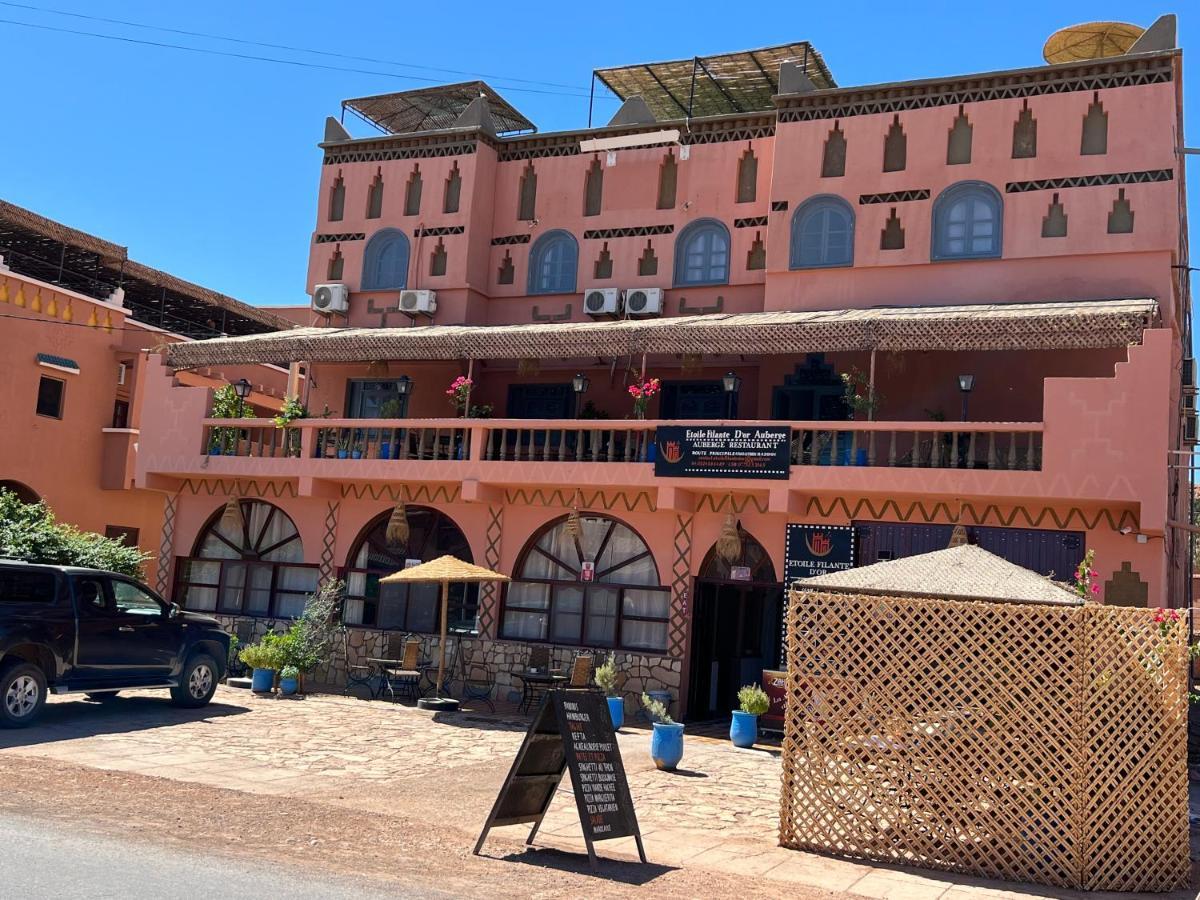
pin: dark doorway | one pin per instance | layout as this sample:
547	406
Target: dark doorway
696	400
541	401
813	392
737	616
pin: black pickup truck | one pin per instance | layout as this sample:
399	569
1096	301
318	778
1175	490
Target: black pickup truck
70	630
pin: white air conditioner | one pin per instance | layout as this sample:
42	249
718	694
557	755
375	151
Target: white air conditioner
418	302
602	301
330	298
644	302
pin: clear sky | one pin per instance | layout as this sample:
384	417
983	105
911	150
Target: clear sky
206	166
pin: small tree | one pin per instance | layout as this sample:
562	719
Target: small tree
308	641
29	531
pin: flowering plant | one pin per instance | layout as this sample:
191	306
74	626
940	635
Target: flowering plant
459	392
641	394
1086	584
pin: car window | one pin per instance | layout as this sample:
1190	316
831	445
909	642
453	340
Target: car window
131	599
91	596
26	586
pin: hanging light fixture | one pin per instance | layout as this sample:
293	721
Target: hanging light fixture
397	526
232	520
729	541
574	527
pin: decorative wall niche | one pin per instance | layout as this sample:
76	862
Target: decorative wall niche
375	196
505	273
667	172
1120	220
437	259
1094	141
747	177
603	265
756	258
648	263
450	196
1024	134
1126	588
337	198
527	194
895	147
1054	223
958	144
593	188
833	159
892	235
336	264
412	192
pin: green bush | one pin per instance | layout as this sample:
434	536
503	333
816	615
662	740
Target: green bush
606	677
753	699
308	641
29	531
289	672
656	710
263	656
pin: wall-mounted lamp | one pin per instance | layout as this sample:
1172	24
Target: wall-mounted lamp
966	384
732	384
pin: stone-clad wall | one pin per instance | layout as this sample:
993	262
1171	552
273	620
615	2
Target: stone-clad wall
641	672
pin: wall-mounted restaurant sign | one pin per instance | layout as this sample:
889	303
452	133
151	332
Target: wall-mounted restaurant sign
720	451
817	549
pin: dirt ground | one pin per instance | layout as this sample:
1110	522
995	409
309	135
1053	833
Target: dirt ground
377	849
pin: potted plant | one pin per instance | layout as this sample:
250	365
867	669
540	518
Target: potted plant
343	447
641	394
291	410
753	702
391	409
666	744
264	661
289	680
356	449
606	680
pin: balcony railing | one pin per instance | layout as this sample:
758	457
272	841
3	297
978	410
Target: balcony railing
930	445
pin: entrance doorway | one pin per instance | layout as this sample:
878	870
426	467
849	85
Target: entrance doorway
736	628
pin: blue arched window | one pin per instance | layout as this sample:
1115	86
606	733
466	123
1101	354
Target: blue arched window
702	254
968	221
553	261
822	233
385	261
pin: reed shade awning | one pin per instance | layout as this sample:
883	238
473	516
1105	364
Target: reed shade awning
966	572
435	108
444	569
1085	325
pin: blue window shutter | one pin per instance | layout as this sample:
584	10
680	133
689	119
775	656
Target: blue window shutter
385	261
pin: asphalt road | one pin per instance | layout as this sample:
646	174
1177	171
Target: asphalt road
48	860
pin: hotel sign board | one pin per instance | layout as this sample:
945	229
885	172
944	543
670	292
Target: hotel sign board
811	550
723	451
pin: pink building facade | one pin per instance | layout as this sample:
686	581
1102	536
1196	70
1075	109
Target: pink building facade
1021	227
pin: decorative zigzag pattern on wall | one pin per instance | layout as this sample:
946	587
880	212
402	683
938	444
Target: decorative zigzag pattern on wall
338	238
166	546
328	540
440	231
245	487
421	493
753	222
568	498
967	513
596	234
489	594
779	206
894	196
677	625
709	503
459	148
510	239
1047	184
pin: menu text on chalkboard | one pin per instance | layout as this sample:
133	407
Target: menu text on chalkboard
571	731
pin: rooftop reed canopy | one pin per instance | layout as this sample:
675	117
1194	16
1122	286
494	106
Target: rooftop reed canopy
434	108
1009	326
718	85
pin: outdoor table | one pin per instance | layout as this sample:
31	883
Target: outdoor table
535	684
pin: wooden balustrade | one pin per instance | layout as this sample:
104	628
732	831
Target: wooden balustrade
965	446
579	444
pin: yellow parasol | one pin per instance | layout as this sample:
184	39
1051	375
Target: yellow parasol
444	569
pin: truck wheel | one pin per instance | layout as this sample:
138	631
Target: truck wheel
103	696
22	693
197	682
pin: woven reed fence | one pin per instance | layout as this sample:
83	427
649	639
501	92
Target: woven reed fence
1033	743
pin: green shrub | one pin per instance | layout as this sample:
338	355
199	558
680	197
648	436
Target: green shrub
753	699
289	672
29	531
309	639
606	677
657	711
263	656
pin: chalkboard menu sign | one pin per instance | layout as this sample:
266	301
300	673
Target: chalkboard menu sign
719	451
571	732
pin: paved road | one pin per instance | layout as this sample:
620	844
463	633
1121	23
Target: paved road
47	860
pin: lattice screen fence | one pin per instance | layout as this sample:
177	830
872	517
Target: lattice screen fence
1034	743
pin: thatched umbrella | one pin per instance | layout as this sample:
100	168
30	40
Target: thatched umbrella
444	569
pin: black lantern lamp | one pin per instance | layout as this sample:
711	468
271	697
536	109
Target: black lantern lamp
580	383
732	384
241	387
403	385
966	384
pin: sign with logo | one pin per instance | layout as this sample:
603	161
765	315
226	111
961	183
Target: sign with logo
587	571
739	573
721	451
774	683
817	549
571	732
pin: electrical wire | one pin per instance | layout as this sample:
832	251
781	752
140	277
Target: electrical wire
248	56
270	46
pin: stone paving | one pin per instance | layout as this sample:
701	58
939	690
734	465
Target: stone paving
719	812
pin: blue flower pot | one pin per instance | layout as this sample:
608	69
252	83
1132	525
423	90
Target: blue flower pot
743	730
342	454
214	451
356	454
385	450
262	681
666	745
651	452
289	686
616	711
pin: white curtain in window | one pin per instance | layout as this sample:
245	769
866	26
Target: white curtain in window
601	616
645	635
356	589
568	614
624	545
294	578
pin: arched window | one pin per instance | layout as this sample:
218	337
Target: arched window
822	233
552	263
968	221
385	261
405	607
598	588
753	557
251	564
24	492
702	254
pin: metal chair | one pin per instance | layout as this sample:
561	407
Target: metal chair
478	682
406	677
358	675
244	632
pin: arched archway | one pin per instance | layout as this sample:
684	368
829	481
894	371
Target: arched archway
24	492
597	588
249	565
403	607
737	626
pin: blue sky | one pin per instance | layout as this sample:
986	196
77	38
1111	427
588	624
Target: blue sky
207	166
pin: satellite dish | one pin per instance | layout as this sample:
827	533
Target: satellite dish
1091	40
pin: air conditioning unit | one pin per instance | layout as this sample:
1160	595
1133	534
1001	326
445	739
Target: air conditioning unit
418	302
1189	428
644	302
1189	375
602	301
330	298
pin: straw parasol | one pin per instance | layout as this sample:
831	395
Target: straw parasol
444	569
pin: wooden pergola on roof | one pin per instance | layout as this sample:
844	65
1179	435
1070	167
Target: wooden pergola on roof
993	326
745	81
436	108
55	253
